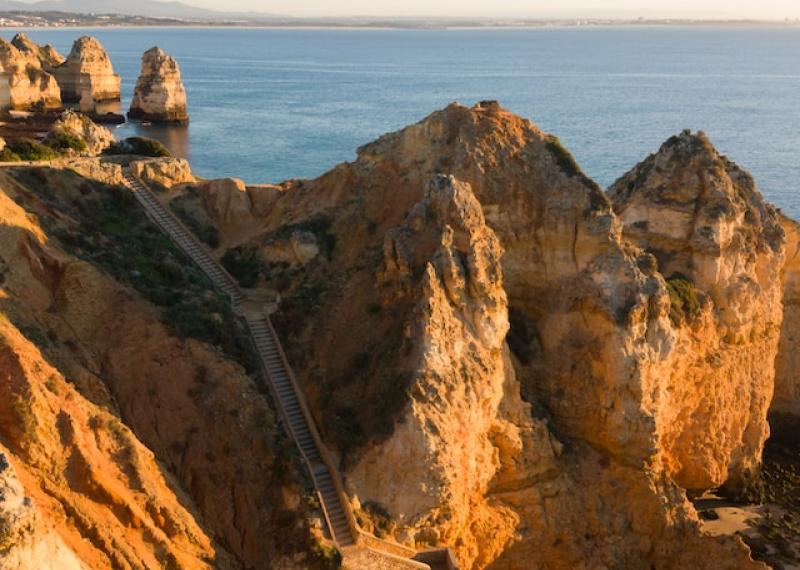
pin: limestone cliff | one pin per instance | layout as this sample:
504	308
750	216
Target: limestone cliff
159	96
387	325
26	540
88	69
786	401
721	249
24	85
128	411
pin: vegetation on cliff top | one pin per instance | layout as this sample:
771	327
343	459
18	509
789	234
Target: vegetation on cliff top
202	229
113	232
140	146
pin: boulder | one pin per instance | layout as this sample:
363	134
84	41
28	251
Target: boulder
24	85
88	68
159	96
164	172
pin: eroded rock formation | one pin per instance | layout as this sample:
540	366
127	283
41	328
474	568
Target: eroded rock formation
78	126
24	85
721	248
159	96
88	69
142	445
26	540
786	402
441	443
504	360
47	55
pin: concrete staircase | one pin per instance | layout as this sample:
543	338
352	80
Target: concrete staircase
361	549
295	415
185	239
291	406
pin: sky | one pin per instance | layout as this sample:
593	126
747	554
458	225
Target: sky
760	9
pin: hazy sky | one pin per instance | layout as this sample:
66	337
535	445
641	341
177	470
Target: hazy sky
764	9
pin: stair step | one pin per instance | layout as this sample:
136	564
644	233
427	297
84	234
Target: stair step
268	347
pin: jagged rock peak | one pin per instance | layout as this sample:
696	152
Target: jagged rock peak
47	54
721	249
24	85
159	95
695	187
88	68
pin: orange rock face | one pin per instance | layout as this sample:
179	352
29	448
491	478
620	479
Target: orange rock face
506	360
550	438
722	250
138	446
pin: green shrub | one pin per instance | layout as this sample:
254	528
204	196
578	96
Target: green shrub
243	265
318	225
140	146
374	518
684	303
204	232
62	140
563	157
29	149
346	427
112	232
8	155
328	557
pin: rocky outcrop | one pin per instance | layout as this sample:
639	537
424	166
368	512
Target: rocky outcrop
548	445
88	69
24	85
96	138
48	56
26	541
445	262
159	96
164	172
721	249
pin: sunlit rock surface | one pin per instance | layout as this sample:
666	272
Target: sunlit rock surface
159	96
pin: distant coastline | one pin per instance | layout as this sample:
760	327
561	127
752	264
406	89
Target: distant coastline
50	20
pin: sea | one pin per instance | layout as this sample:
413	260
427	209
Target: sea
272	104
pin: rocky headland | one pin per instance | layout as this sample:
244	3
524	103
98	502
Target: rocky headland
159	96
504	358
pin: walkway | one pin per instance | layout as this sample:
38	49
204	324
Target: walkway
292	407
356	546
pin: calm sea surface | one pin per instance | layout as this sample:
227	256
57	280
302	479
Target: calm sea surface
267	105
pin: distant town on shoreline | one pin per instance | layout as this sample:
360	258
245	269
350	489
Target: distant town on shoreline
55	19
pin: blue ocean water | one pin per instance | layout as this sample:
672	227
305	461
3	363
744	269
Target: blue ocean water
267	105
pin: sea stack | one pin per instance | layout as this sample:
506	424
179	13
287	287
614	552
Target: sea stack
159	96
24	85
48	56
88	68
